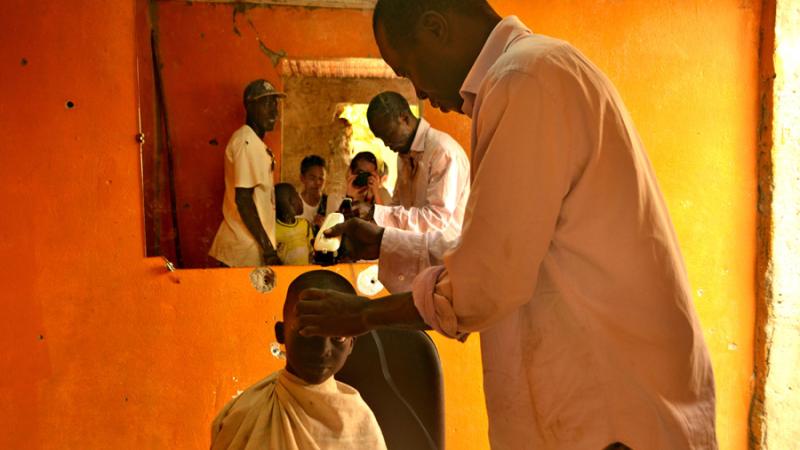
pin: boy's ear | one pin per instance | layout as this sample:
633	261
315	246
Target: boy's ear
279	332
351	344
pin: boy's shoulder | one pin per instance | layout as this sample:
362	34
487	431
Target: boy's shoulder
243	402
253	392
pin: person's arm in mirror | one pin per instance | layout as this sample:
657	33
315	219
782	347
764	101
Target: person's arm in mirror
249	213
361	240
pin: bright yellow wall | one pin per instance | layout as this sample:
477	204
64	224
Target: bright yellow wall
102	349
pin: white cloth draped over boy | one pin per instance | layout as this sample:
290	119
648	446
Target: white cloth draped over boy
432	185
568	263
283	412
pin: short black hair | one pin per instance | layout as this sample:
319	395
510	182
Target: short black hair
387	104
322	279
363	156
282	191
400	17
312	161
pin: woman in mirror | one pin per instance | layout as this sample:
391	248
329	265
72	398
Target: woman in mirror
364	181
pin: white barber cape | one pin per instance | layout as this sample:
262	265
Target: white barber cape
283	412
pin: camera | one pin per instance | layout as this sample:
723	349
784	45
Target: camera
362	179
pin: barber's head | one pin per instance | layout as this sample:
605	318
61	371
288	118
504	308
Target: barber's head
391	120
261	104
433	43
315	358
313	174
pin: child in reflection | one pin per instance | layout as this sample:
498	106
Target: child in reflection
317	204
301	406
293	234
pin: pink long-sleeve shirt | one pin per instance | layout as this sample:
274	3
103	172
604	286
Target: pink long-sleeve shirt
579	291
432	185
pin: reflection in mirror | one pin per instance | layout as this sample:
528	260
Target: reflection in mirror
193	69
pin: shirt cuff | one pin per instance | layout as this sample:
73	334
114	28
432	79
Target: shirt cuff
379	215
433	299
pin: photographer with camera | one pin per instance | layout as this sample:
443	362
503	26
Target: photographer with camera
364	182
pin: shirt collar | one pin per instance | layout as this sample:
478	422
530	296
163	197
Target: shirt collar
418	144
504	34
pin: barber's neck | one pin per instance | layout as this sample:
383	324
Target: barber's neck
472	41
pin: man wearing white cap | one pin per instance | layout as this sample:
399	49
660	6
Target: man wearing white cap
246	236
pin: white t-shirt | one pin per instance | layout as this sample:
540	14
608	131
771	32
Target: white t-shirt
310	211
248	164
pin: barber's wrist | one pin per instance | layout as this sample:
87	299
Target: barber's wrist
381	231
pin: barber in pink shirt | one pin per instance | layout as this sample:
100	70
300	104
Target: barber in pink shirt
432	170
589	337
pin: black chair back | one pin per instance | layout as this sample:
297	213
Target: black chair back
399	375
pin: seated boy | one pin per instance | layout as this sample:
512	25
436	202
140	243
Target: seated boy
293	234
302	406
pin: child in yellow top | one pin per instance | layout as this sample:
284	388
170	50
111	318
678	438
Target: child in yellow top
293	234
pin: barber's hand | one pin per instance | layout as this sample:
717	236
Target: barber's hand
363	210
322	312
361	239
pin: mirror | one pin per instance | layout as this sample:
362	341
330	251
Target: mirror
195	59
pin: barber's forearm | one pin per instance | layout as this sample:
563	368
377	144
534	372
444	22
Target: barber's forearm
426	218
395	311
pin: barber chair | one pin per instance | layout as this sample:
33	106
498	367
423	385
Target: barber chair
399	376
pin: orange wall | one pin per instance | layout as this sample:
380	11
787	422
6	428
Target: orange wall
102	349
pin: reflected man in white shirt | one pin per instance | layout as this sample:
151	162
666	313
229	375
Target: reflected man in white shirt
589	337
246	236
432	170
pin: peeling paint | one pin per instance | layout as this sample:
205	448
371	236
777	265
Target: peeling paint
241	9
263	279
275	57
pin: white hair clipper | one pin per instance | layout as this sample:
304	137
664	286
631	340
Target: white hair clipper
327	249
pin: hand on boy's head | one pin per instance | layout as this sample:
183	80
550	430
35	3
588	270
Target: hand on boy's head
313	358
323	312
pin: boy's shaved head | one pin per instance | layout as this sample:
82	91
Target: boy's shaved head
320	279
313	358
